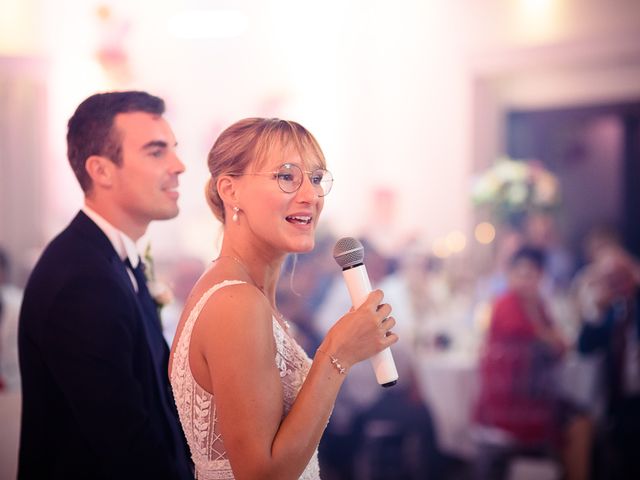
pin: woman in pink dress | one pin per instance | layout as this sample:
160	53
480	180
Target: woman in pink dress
519	406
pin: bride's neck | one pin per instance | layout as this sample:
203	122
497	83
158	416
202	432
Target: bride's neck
264	275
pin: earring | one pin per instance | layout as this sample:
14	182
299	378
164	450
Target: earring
235	214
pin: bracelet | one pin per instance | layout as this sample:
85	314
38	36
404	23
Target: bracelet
334	361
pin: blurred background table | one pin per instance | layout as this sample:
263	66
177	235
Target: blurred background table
448	383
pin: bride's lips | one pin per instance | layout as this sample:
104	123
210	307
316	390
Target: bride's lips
300	219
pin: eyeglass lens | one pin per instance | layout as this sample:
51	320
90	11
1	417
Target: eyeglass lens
290	179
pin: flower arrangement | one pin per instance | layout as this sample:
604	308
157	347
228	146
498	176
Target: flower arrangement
511	189
158	289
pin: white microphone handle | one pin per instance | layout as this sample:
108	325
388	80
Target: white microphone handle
359	288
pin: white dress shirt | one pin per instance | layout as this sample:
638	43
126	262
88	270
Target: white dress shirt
124	246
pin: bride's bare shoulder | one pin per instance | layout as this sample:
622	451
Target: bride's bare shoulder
234	298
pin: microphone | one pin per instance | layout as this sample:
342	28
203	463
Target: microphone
349	255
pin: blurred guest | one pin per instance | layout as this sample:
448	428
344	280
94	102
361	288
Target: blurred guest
610	306
381	221
10	299
598	240
541	231
589	290
519	410
96	398
493	283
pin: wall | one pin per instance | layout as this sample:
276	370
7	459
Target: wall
406	97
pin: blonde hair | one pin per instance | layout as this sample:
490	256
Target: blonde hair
248	142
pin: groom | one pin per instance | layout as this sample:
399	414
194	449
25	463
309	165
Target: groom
96	397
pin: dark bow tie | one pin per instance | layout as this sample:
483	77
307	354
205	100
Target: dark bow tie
138	273
147	302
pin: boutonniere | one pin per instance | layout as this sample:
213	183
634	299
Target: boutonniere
159	290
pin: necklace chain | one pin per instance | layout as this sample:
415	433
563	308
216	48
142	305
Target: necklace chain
278	315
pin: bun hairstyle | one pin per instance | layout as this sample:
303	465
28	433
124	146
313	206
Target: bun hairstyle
248	142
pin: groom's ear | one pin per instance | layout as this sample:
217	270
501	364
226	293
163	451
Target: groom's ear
100	169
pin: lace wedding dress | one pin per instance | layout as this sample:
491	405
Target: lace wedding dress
197	408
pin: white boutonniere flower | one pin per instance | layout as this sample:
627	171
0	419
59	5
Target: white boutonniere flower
159	290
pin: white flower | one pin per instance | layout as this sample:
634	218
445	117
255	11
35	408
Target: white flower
516	186
508	170
158	289
485	188
160	292
516	194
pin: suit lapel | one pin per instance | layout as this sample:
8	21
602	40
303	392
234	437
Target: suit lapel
85	227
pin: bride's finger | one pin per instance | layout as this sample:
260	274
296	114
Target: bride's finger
388	323
384	310
390	338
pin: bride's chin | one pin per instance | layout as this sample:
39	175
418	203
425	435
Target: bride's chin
303	247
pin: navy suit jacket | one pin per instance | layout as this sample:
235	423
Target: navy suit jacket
96	396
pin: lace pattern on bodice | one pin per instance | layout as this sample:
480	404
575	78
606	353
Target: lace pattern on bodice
197	408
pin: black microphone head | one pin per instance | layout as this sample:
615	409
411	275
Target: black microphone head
348	252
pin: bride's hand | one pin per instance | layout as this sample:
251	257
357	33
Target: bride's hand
362	332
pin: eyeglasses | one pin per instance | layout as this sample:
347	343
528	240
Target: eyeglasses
290	178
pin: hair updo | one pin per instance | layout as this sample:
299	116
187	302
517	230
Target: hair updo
248	142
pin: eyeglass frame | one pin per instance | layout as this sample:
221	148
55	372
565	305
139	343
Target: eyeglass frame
289	165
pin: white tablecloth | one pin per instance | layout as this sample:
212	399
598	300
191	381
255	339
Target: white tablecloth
449	383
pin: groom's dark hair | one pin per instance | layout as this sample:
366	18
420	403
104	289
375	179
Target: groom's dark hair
90	129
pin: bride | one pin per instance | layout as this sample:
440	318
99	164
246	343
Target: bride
251	402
